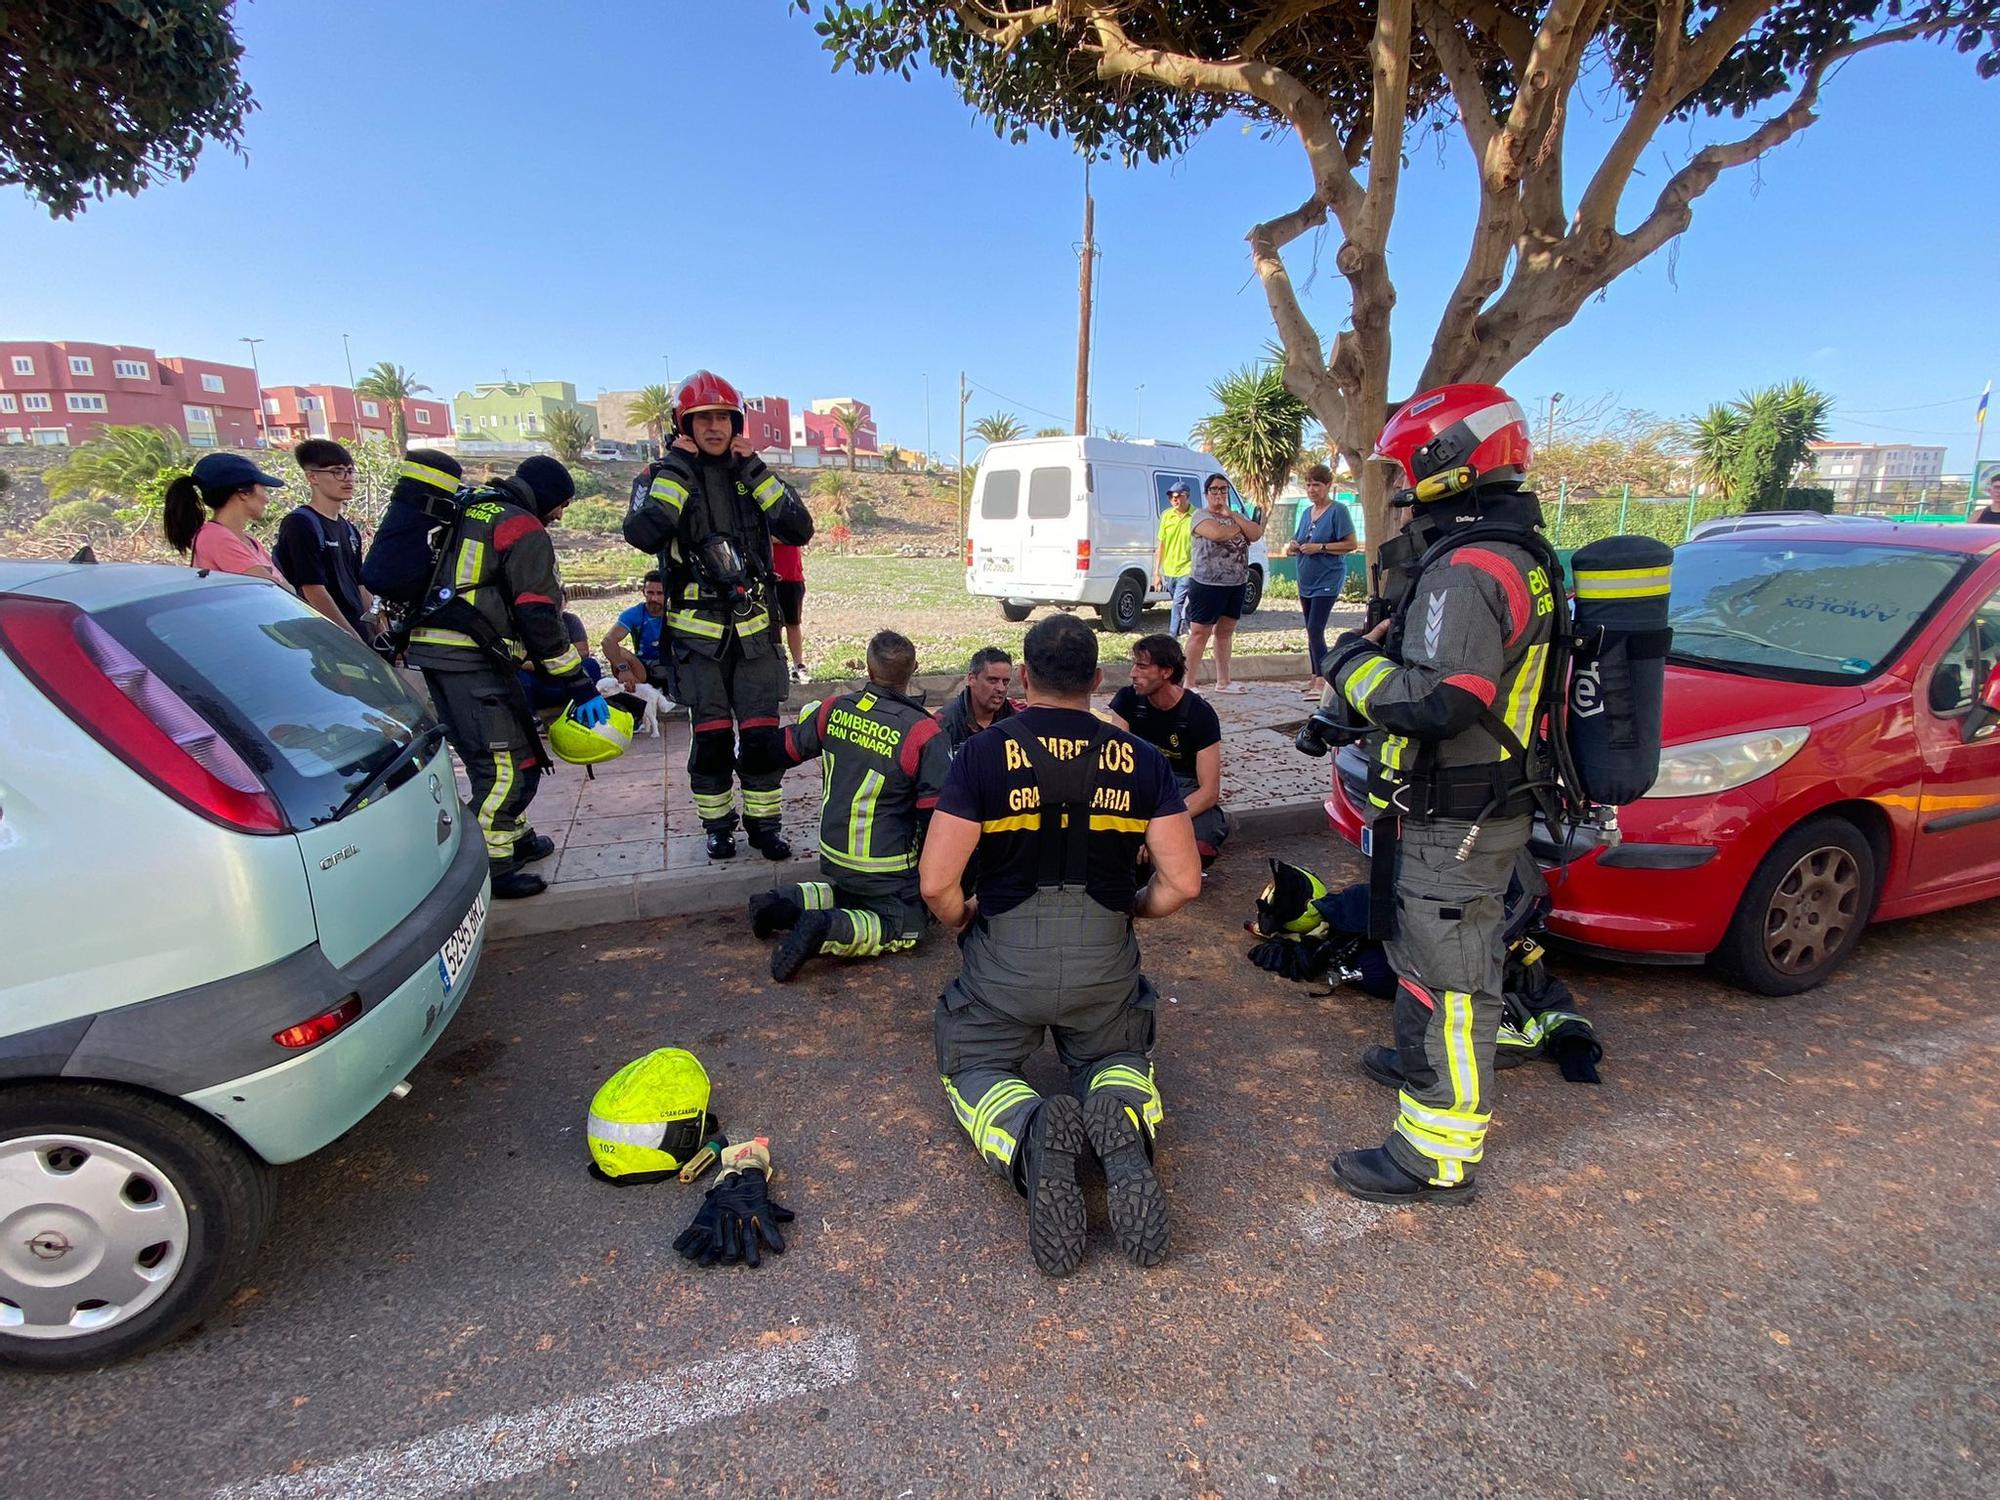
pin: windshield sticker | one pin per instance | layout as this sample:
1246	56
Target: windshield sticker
1857	665
1854	608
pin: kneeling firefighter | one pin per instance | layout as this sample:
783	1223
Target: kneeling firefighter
709	512
1454	697
488	601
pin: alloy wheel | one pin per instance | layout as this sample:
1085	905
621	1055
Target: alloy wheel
1813	910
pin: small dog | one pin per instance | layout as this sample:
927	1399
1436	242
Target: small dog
644	702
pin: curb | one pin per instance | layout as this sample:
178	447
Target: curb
705	889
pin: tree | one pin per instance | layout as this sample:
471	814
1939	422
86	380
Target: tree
1001	427
1715	436
569	430
1257	430
392	385
120	463
1347	82
102	98
1751	450
848	419
1051	432
653	409
1606	455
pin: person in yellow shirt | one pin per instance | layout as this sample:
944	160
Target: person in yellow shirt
1173	554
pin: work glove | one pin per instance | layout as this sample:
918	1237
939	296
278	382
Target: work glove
592	713
1572	1042
737	1220
1293	957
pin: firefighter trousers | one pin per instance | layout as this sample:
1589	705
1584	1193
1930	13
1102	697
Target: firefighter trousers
863	925
484	720
734	704
1058	963
1449	954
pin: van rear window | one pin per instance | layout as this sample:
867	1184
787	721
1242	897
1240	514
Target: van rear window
1048	494
1000	495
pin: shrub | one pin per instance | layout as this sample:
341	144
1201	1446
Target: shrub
594	515
862	512
1809	497
587	483
91	518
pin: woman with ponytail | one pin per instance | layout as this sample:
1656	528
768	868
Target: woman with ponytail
208	514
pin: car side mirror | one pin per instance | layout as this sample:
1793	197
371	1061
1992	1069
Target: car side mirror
1981	719
1989	695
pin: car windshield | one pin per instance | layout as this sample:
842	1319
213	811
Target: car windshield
1804	611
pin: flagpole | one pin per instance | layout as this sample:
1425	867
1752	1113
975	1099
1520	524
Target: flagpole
1978	441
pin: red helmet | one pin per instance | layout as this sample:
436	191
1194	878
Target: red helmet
704	391
1479	427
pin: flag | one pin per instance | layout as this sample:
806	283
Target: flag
1979	418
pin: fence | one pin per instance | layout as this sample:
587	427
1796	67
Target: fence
1576	523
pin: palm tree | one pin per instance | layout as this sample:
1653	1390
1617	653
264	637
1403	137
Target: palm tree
1001	427
1051	432
653	409
1715	436
1258	431
120	463
569	430
1117	435
394	385
848	419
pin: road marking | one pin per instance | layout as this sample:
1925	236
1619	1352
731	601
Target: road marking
506	1447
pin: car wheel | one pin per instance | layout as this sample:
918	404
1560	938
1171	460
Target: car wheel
123	1220
1253	591
1803	911
1016	613
1127	602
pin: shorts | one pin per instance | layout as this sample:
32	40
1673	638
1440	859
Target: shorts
791	600
1209	602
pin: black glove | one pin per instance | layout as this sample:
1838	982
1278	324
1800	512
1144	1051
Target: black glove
737	1221
1293	958
1574	1046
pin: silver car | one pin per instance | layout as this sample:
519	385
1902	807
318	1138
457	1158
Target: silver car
241	902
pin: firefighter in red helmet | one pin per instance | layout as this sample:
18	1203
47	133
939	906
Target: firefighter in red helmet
709	511
1444	696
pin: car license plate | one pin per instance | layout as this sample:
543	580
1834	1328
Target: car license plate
452	956
1367	839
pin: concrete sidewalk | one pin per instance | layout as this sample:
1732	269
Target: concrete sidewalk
628	847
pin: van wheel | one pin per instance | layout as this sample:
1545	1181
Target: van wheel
1253	591
127	1219
1016	613
1803	911
1127	602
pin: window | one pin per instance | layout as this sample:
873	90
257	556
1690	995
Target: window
1967	662
7	402
1048	493
79	364
35	403
197	416
49	437
999	494
271	406
423	417
13	436
371	408
83	401
1165	482
212	384
23	365
130	369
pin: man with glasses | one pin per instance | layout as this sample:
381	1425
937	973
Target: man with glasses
319	550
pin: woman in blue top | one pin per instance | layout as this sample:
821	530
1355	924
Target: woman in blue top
1325	534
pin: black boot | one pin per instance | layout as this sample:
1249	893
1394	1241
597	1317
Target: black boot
800	944
531	846
1055	1141
721	843
511	882
1132	1194
1384	1065
773	912
770	843
1376	1176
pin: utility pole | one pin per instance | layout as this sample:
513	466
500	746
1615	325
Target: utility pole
351	396
257	377
927	419
1083	309
1978	442
1139	401
963	396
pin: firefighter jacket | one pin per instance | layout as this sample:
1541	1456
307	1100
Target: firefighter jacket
506	598
692	498
883	762
1455	691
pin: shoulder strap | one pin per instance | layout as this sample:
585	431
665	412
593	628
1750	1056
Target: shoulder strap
1066	787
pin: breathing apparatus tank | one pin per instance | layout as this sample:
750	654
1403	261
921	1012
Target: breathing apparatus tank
1618	673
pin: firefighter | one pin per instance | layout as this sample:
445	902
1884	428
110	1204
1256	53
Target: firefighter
709	511
1057	805
502	610
885	760
1450	687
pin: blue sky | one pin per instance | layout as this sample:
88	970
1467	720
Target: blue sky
572	192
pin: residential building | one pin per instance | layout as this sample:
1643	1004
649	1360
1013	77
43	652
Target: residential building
613	421
58	393
1859	471
515	412
817	428
767	422
294	413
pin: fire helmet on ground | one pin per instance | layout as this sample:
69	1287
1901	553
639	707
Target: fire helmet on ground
650	1117
582	745
1286	904
1477	427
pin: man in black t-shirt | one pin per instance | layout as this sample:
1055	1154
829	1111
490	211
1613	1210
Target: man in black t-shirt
318	549
1179	722
1058	804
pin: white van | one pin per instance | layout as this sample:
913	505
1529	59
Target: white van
1073	520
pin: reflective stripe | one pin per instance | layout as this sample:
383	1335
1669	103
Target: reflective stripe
499	841
861	815
1120	1076
763	802
562	666
977	1120
806	713
815	895
635	1133
1525	696
752	623
1110	823
1099	823
694	624
869	864
471	565
710	806
668	493
1447	1121
1624	583
437	479
430	635
769	493
1458	1051
1362	683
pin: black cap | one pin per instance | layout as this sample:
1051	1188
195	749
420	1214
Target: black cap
231	471
549	480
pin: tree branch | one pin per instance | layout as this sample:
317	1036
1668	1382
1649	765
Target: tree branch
1280	17
1514	36
1389	60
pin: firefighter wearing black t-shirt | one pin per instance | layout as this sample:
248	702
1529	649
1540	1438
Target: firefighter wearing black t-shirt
1057	804
1181	724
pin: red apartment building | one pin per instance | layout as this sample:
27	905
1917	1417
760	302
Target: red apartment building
817	428
297	412
767	422
58	394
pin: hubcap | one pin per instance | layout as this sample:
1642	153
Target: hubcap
1813	910
99	1237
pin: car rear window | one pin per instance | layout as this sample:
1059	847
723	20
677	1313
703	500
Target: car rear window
1048	494
1000	495
311	709
1803	611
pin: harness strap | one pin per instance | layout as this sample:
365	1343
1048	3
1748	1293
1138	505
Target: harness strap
1067	787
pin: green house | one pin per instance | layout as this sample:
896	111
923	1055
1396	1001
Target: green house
515	412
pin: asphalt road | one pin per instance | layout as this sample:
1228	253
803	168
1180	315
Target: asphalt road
1757	1261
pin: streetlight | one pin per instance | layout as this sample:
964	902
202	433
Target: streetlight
667	360
1554	402
257	376
351	396
1139	400
927	420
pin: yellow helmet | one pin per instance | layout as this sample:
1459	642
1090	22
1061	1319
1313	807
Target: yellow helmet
1289	905
581	745
650	1117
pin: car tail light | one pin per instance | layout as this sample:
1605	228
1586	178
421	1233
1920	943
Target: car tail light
320	1027
128	710
968	552
1083	555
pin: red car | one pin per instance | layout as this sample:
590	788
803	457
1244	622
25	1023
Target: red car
1830	756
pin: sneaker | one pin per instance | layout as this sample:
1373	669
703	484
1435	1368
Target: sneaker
1132	1194
770	843
801	674
772	912
1376	1176
721	844
801	943
1056	1222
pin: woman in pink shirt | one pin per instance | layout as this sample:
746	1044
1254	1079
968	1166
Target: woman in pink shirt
236	492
